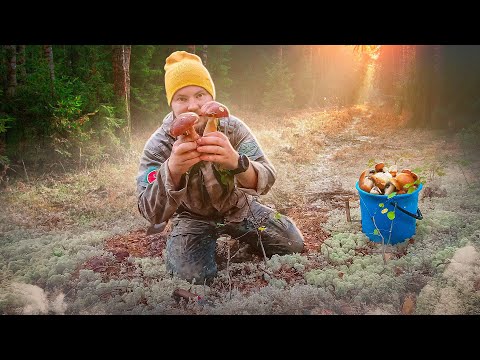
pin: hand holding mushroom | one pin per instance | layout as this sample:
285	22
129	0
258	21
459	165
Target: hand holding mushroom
184	154
216	147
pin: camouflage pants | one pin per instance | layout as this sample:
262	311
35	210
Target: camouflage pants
191	245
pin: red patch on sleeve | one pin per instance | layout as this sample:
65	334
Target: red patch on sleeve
152	176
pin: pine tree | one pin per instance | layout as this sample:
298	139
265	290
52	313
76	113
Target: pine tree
278	95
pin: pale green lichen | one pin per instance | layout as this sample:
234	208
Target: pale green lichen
276	261
341	248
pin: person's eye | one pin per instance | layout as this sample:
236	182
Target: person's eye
200	95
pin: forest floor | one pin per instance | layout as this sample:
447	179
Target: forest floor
76	244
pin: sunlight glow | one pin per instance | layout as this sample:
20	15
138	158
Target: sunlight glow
372	52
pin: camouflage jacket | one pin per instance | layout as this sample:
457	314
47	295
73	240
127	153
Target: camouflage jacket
206	191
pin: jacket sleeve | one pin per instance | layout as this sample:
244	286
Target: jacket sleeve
246	143
157	199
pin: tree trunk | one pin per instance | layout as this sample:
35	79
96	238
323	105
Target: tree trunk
393	64
204	54
390	71
424	78
11	70
402	76
22	71
308	55
72	59
48	51
191	49
126	69
317	66
438	85
121	82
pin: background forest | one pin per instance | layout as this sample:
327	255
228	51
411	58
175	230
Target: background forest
66	106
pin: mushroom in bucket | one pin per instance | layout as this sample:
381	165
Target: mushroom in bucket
384	181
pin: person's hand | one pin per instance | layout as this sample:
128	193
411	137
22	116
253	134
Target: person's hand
184	155
216	147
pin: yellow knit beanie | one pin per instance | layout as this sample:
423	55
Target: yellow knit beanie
183	69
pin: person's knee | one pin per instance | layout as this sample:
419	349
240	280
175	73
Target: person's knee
287	240
296	241
284	237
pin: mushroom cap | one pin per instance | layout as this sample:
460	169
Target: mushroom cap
404	178
183	122
381	179
214	109
364	182
395	183
393	170
379	167
408	171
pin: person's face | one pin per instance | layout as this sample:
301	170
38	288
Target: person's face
190	99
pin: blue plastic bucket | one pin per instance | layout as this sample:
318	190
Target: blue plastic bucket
401	228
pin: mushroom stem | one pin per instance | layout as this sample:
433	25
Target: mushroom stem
211	126
191	134
389	188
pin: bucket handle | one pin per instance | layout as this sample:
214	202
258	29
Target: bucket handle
417	216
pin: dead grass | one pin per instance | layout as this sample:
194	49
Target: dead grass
60	201
298	137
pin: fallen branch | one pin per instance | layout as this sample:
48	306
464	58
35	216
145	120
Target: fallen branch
184	294
24	168
347	210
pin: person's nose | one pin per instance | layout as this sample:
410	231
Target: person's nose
193	105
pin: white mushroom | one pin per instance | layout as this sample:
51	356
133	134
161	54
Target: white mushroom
380	179
392	186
